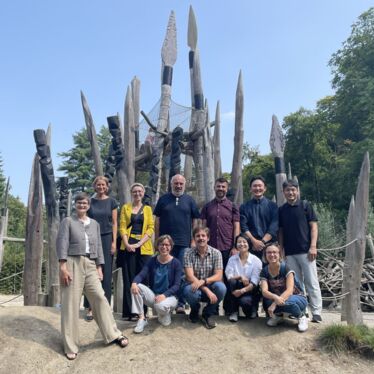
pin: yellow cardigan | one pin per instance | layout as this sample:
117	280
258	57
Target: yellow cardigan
148	227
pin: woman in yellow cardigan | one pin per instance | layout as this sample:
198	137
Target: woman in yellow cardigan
136	230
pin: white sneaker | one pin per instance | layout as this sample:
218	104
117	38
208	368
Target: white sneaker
303	324
274	321
233	317
165	320
139	328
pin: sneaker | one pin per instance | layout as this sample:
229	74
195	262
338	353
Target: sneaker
208	322
253	314
234	317
303	324
180	310
165	320
139	328
193	317
316	318
274	321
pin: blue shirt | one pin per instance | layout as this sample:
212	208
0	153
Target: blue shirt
176	215
259	217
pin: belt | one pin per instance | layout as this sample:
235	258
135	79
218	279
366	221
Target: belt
86	255
135	236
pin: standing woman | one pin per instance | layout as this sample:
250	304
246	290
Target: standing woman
103	209
136	230
80	256
243	275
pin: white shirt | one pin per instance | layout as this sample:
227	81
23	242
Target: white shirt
251	269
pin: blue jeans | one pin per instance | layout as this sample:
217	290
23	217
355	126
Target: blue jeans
295	305
194	298
178	253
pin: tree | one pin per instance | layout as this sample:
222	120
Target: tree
78	165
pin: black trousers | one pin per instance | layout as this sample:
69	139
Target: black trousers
106	241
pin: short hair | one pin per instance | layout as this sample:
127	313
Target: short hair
137	184
290	183
272	244
221	180
161	238
100	178
257	177
177	175
241	235
82	196
199	228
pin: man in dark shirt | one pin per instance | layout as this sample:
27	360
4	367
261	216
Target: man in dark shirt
259	217
176	214
298	232
222	218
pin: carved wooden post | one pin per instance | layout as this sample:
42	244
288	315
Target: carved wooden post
353	271
237	163
3	222
135	95
217	144
49	187
277	145
34	238
91	133
191	42
208	162
169	56
129	145
63	206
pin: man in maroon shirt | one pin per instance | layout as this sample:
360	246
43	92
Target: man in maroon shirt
222	218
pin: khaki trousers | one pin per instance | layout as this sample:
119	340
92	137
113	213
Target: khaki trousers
85	279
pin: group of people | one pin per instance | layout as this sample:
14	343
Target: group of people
219	254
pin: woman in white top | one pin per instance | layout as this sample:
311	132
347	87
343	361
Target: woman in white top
243	275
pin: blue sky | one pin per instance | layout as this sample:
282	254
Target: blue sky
50	50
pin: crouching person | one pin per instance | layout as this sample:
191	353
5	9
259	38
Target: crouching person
281	291
204	270
163	272
80	256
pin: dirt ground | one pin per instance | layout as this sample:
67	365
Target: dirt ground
30	342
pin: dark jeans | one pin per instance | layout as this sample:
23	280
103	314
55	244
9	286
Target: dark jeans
178	252
194	298
248	301
106	241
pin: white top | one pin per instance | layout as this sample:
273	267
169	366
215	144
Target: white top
251	269
86	222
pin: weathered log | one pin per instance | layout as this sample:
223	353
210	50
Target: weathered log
34	238
49	187
353	303
169	56
91	134
3	223
135	95
217	143
237	163
208	162
277	145
175	157
63	206
129	145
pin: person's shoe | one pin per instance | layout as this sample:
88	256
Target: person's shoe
316	318
71	356
165	320
139	328
234	317
303	324
193	317
253	314
208	322
89	316
180	310
274	321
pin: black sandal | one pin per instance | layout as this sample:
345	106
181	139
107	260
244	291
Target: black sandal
122	341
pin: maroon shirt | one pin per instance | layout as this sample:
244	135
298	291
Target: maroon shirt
220	217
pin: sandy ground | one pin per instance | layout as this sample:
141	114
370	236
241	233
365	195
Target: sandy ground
30	342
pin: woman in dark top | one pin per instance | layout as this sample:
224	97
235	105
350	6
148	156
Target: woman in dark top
136	230
281	290
103	209
164	274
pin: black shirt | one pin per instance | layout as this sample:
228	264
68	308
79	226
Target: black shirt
294	220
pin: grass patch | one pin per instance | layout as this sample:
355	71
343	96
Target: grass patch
338	339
